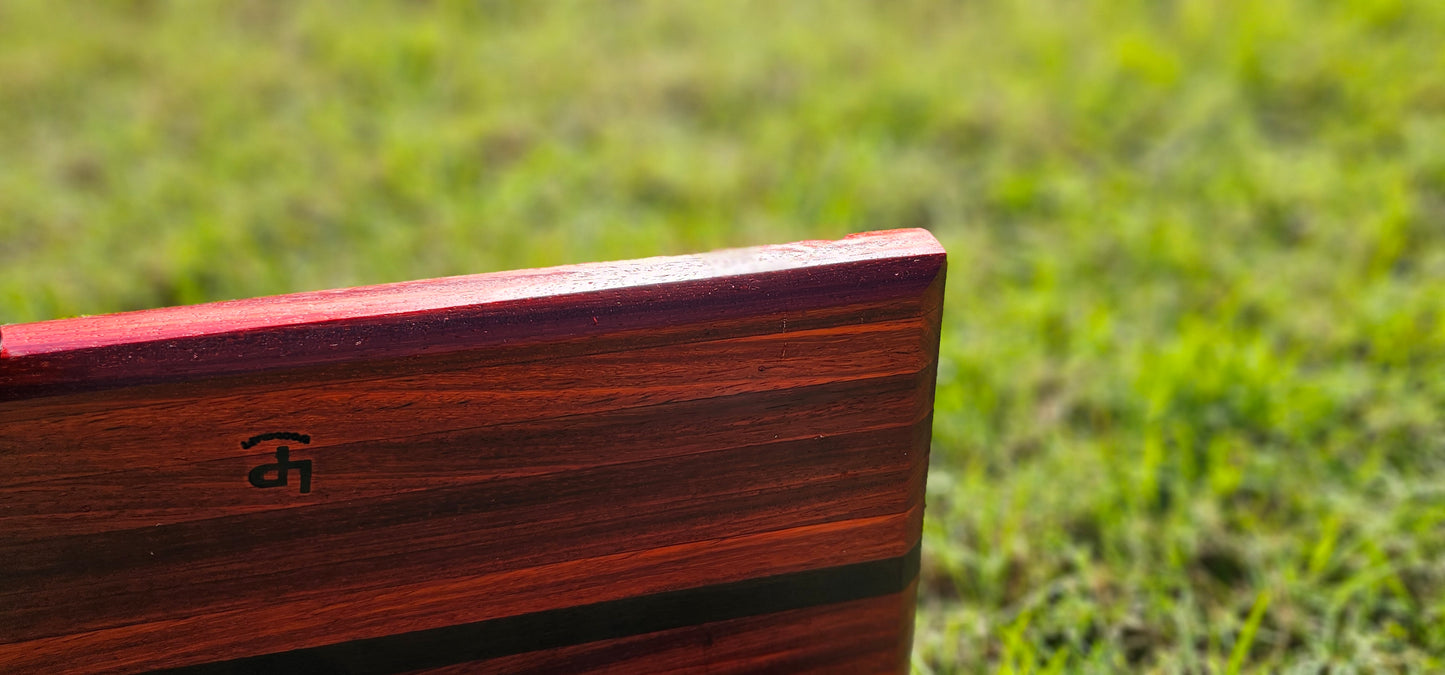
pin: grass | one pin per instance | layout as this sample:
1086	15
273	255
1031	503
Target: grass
1189	415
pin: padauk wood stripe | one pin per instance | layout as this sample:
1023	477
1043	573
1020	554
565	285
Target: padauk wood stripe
771	480
365	469
439	315
172	572
639	615
781	319
75	441
421	606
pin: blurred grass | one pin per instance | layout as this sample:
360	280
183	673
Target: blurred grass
1189	405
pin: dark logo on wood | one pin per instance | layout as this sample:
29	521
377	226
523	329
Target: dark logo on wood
260	476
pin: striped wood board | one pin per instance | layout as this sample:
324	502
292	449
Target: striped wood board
663	464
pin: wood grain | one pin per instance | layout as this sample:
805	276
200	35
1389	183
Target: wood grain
478	448
860	636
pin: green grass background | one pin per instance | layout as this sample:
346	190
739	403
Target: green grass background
1193	368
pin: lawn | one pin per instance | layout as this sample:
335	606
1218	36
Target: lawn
1191	403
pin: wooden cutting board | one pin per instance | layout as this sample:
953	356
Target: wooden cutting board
712	461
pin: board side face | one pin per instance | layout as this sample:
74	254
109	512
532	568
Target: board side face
580	464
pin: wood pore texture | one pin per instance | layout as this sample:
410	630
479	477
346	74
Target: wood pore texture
663	464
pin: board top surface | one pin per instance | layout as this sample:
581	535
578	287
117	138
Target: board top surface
408	318
19	341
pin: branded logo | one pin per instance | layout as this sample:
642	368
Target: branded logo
283	466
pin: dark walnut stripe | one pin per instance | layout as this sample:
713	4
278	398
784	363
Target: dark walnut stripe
585	624
859	636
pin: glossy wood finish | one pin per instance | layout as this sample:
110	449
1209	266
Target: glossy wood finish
480	447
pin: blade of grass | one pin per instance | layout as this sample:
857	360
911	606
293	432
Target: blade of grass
1246	634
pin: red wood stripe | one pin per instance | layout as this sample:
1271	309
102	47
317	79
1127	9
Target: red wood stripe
623	507
63	438
370	469
329	618
442	315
